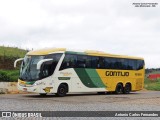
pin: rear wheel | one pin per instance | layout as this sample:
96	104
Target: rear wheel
127	89
119	89
62	90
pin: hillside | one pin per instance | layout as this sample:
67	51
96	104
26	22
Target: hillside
8	55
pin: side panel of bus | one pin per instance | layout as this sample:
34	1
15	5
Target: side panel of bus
135	78
96	80
78	80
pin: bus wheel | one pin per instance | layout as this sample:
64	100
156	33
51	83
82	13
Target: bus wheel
62	90
42	94
127	89
119	89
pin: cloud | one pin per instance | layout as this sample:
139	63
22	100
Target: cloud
112	26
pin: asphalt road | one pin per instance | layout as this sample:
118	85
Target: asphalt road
136	101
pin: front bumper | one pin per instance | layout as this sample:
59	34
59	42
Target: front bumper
35	87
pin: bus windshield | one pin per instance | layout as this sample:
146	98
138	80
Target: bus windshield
29	71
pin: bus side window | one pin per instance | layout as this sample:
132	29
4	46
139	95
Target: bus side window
101	63
112	63
94	62
72	61
107	63
140	64
69	61
122	64
88	62
66	63
81	61
117	64
132	64
49	67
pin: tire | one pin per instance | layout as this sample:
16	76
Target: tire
127	89
119	89
62	90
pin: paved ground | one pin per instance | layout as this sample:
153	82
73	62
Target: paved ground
136	101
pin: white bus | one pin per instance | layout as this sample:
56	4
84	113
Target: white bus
61	71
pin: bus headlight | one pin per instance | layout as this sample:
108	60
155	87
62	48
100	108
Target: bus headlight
39	83
35	84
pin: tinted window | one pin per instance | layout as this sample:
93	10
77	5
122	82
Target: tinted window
132	64
55	57
81	61
84	61
140	64
48	67
94	62
69	61
123	64
88	62
107	63
120	63
101	63
110	63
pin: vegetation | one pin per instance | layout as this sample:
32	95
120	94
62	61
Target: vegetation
11	52
7	57
152	84
9	75
152	71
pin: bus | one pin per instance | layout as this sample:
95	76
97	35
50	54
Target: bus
61	71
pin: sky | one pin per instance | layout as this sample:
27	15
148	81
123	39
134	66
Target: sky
112	26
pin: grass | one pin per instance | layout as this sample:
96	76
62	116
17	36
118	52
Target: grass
9	75
7	57
152	84
12	52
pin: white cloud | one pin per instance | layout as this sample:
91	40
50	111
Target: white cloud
112	26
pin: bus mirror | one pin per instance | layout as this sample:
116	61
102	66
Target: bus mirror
41	62
15	62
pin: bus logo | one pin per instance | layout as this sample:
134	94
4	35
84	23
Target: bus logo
116	73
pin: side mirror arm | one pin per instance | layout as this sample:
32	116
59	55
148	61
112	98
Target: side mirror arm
41	62
15	62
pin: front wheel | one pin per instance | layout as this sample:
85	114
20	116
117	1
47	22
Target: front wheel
62	90
119	89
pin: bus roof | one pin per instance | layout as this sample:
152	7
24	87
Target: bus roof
46	51
87	52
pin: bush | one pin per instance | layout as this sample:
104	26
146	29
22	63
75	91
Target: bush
4	77
9	75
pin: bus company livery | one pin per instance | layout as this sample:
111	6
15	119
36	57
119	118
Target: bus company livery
61	71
